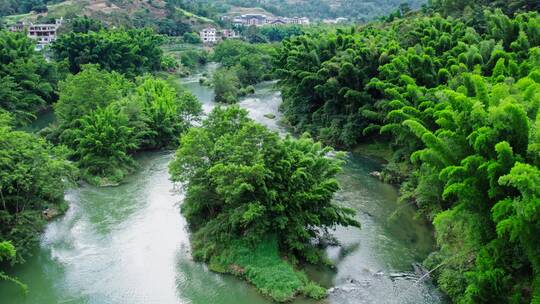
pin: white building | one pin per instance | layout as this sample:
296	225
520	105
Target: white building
44	34
211	35
208	35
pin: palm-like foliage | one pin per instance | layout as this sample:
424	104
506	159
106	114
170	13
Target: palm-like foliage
131	52
28	81
460	106
103	143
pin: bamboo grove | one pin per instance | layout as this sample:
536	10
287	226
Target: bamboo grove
458	102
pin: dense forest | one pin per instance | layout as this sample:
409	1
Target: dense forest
458	101
457	8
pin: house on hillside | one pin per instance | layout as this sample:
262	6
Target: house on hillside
228	34
251	19
278	21
335	21
255	19
208	35
299	20
20	26
211	35
43	34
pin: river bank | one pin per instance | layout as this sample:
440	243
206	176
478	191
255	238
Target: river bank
129	244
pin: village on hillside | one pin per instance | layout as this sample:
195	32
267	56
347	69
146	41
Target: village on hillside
44	34
211	35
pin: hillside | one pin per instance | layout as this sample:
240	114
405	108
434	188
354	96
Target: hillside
165	18
362	10
84	7
178	16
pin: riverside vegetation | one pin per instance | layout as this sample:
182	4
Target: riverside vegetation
242	66
457	100
106	111
33	173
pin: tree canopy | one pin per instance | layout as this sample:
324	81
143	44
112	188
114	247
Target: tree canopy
28	81
104	117
33	176
131	52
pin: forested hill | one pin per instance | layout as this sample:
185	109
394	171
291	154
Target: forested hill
165	16
464	8
182	13
316	9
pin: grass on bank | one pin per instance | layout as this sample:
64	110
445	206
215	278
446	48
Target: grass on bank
266	270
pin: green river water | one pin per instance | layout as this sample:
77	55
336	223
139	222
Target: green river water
129	244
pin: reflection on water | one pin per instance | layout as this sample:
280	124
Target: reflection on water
263	103
375	262
129	244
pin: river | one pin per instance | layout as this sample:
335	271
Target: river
129	244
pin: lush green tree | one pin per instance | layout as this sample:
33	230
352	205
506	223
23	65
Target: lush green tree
169	63
518	218
226	86
33	178
28	81
229	52
85	92
192	38
102	146
250	70
245	184
168	113
104	117
251	63
7	252
279	33
193	59
171	26
131	52
83	25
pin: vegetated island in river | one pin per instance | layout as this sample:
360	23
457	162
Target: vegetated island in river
256	202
